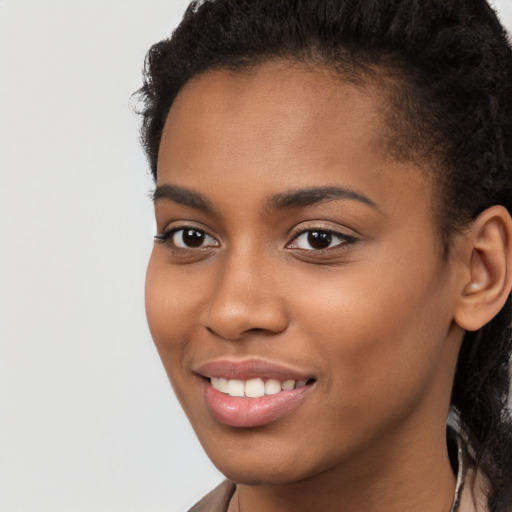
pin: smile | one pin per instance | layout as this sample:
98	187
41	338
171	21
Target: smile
254	388
252	393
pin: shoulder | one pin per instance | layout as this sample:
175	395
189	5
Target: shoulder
216	500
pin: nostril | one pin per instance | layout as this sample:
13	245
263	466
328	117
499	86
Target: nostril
237	334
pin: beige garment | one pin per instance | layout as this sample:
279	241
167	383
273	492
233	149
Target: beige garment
217	500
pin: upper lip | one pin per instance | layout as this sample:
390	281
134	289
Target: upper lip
249	369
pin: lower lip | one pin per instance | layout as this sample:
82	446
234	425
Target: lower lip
244	412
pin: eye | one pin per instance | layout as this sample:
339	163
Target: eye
187	238
318	239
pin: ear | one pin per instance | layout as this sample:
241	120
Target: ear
487	280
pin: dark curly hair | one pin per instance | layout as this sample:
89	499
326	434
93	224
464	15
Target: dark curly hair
445	70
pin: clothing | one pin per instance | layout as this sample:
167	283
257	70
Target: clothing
217	500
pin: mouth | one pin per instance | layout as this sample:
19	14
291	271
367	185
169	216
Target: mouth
252	394
256	388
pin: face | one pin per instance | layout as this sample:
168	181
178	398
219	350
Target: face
296	292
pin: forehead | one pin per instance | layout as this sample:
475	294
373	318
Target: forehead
278	127
306	101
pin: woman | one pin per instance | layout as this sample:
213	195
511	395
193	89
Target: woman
333	265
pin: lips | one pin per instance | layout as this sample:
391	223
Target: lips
252	393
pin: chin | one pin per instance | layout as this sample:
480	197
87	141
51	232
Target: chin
264	474
253	458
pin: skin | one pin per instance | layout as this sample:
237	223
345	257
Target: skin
373	317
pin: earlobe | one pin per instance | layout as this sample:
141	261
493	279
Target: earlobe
488	280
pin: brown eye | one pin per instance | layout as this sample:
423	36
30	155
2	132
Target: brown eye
191	238
187	238
319	239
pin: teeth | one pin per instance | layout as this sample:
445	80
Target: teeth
272	387
235	388
254	388
288	384
220	384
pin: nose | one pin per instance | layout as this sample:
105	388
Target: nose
246	299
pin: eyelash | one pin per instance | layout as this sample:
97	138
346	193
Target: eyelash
166	237
325	235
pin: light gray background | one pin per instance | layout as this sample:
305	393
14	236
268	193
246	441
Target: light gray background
87	419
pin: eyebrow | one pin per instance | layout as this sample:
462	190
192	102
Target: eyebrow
283	201
309	196
183	196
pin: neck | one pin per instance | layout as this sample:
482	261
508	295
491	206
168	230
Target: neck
413	475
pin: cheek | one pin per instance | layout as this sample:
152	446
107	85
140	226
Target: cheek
171	309
171	305
376	331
